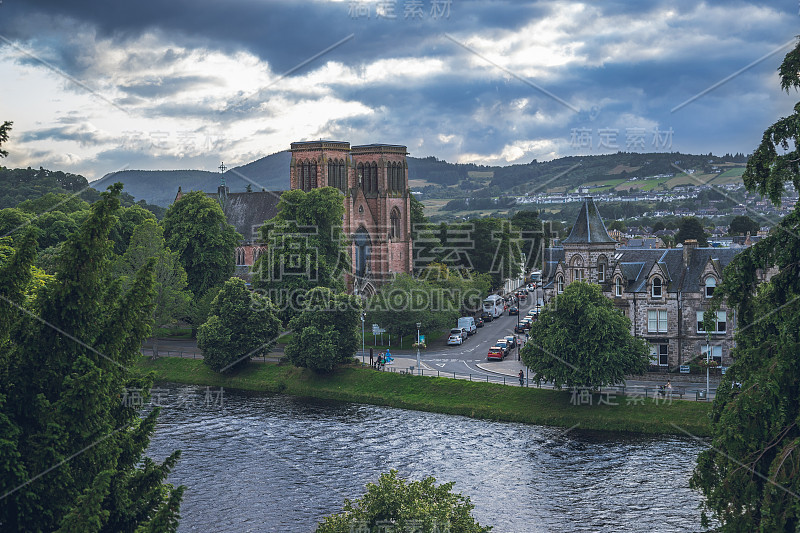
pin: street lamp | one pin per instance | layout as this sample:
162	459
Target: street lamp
419	325
362	337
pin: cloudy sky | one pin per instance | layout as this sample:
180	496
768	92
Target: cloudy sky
93	87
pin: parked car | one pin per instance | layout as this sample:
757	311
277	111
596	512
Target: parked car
521	295
513	310
455	340
504	345
479	322
520	328
460	332
486	316
496	353
512	341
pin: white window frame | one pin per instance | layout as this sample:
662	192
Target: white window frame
657	351
559	284
657	321
577	274
617	287
716	353
711	283
660	287
601	272
722	319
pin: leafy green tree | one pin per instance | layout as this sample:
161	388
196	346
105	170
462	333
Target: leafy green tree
307	248
13	220
242	324
71	454
496	249
5	127
200	309
532	237
65	203
129	219
605	353
750	475
691	228
171	295
659	226
742	225
326	332
618	225
54	228
195	228
407	505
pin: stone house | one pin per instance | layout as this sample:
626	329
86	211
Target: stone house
664	292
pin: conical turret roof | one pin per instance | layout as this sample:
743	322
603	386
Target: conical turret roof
589	227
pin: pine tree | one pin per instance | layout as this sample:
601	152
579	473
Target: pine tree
71	453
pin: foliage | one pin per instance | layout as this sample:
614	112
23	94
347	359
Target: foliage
750	474
171	296
200	309
532	237
129	219
241	324
617	225
195	227
406	301
72	452
582	340
691	228
13	220
307	248
326	330
406	505
5	127
742	225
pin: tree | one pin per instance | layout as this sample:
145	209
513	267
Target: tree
4	129
496	249
326	331
750	474
659	226
171	296
406	505
71	454
617	225
195	228
582	340
691	228
307	248
129	219
742	225
242	324
532	238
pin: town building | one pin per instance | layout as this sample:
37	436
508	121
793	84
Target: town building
373	180
664	292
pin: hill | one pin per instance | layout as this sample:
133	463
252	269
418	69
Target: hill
160	186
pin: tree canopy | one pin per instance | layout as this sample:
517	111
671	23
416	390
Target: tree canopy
582	340
750	475
71	453
195	227
691	228
742	225
5	127
241	324
405	506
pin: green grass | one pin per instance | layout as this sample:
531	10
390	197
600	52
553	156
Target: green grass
443	395
285	339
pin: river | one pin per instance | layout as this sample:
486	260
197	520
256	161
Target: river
266	462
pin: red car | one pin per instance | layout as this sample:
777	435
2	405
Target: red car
496	353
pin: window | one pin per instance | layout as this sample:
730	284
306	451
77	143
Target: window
711	284
659	354
560	284
657	321
716	353
617	287
656	287
601	272
394	232
577	274
720	324
240	255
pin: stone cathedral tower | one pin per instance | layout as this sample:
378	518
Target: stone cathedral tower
373	179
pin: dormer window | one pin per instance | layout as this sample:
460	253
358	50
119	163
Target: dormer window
560	284
711	284
656	287
617	287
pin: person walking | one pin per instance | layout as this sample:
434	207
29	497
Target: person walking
521	378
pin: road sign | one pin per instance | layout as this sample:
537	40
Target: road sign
685	369
377	330
422	339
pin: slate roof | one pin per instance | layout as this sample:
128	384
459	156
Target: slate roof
589	227
247	211
700	256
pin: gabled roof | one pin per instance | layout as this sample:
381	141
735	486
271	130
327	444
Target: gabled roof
589	227
247	211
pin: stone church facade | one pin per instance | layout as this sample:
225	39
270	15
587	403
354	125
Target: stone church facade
373	180
664	292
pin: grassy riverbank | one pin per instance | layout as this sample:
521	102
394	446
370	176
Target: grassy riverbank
444	395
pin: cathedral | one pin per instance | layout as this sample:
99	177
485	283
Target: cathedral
373	180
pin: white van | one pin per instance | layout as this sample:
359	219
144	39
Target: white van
468	323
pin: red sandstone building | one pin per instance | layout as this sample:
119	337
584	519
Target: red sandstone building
373	180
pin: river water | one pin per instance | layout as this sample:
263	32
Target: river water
277	463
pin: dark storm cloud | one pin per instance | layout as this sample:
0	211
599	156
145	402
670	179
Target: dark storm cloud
156	87
82	135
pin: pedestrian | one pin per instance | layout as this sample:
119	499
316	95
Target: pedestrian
669	387
521	378
371	361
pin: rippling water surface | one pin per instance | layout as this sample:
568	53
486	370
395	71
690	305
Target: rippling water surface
277	463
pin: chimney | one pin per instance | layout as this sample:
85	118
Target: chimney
688	246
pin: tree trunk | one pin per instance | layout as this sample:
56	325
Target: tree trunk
155	347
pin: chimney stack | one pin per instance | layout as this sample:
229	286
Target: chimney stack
688	246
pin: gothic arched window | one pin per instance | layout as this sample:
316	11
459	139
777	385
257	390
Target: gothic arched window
342	177
395	231
374	176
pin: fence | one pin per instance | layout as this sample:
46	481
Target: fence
188	354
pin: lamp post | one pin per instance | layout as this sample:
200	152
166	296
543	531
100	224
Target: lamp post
363	346
708	354
419	325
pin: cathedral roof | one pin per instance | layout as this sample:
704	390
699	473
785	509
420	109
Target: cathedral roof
589	227
247	211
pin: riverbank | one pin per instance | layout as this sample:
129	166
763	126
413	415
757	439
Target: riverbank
441	395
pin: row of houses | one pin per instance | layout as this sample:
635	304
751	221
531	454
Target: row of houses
664	292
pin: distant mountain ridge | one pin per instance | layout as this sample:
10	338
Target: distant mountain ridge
434	176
